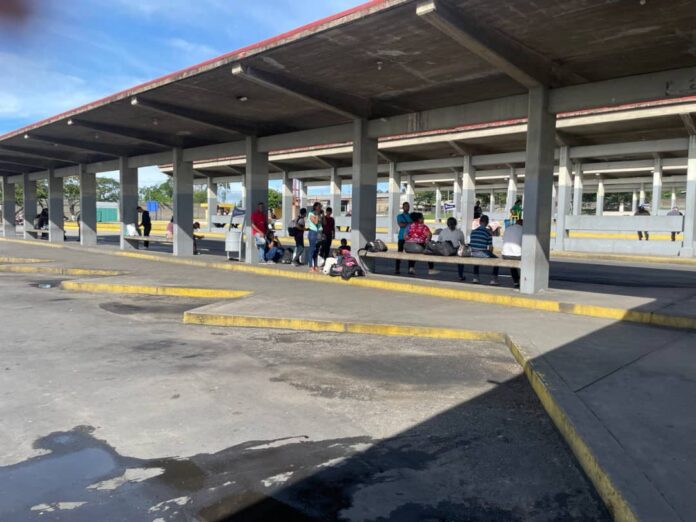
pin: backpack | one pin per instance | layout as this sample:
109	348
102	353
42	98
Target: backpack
376	246
349	261
440	248
413	248
351	271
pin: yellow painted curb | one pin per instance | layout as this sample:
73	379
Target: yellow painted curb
20	260
33	242
611	495
625	257
23	269
173	291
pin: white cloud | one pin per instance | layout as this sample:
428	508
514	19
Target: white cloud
192	51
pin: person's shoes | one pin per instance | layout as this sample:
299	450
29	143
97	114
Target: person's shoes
475	280
432	271
196	253
516	285
397	272
462	278
411	271
495	282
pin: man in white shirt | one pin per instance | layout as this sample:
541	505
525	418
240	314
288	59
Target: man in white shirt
512	248
455	236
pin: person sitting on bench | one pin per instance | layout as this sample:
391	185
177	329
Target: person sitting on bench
196	238
417	233
512	248
482	246
275	250
455	236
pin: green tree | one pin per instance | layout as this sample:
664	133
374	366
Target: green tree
108	190
424	199
162	193
275	200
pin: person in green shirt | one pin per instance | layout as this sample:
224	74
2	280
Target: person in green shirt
516	211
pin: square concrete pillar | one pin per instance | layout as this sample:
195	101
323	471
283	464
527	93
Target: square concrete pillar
541	139
364	218
182	176
438	205
256	182
673	199
468	196
565	186
56	217
128	200
511	192
9	227
457	194
335	189
410	191
689	247
29	205
657	187
212	193
634	202
578	189
303	194
88	207
288	207
394	200
641	198
599	205
491	202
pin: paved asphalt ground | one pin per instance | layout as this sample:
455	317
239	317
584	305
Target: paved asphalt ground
114	410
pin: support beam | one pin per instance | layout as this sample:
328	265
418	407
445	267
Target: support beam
491	202
656	202
347	106
634	202
578	190
364	217
44	154
88	207
256	182
438	204
212	193
641	199
24	162
29	204
81	145
511	192
673	200
123	132
468	195
303	194
410	191
128	200
565	187
689	248
56	218
689	123
599	204
183	204
9	227
508	56
335	188
288	200
537	193
198	117
394	200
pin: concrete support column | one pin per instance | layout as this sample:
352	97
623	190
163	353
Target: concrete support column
600	197
303	194
183	204
577	191
287	201
468	195
538	183
410	191
88	207
565	187
9	228
689	248
394	199
634	202
491	203
657	188
364	218
511	192
641	198
335	187
622	207
212	202
128	201
673	200
29	204
244	194
457	195
56	218
257	191
438	205
554	200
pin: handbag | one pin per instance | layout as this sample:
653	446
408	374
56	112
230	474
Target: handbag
464	250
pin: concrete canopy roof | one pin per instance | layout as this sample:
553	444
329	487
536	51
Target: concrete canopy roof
382	59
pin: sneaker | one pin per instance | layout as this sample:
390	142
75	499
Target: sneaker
495	282
432	271
462	278
411	271
475	280
516	285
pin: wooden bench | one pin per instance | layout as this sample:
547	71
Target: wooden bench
449	260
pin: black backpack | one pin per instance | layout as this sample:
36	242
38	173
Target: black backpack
376	246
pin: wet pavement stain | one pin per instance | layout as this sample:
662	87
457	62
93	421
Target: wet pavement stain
147	308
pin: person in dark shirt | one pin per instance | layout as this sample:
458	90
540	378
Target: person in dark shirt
477	210
329	233
145	224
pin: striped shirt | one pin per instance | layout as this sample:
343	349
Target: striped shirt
481	239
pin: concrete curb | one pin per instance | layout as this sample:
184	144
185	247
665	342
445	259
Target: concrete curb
625	490
543	305
172	291
691	261
59	270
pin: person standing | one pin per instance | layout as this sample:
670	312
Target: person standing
482	246
477	210
674	212
259	229
512	248
145	224
516	211
642	211
403	220
329	226
299	229
314	235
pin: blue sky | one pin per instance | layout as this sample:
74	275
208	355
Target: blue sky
71	52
